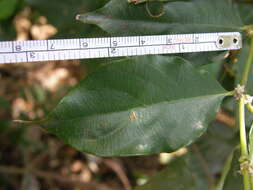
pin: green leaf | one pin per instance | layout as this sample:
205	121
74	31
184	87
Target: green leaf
4	104
217	135
246	13
7	31
225	172
7	8
4	125
137	106
122	18
205	58
234	178
179	175
214	68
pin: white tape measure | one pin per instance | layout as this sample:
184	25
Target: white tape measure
87	48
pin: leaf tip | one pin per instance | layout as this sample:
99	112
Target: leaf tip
90	18
22	122
78	17
83	18
29	123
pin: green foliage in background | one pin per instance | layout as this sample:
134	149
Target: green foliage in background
7	8
61	14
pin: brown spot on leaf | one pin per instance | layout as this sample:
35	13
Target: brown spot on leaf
133	116
91	140
104	124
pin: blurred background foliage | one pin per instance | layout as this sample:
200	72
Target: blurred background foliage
31	159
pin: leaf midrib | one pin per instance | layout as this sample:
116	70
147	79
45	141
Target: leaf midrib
93	21
149	105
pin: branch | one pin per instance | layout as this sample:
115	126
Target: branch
243	143
225	118
247	66
205	166
53	176
117	168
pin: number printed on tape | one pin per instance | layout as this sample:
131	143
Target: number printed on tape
88	48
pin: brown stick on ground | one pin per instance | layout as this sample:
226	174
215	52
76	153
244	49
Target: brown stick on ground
116	166
53	176
225	118
204	165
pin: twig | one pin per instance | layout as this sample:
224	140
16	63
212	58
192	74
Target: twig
243	143
117	168
249	107
225	171
247	64
225	118
205	166
52	176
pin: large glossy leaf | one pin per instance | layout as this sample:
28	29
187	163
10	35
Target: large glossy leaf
137	106
122	18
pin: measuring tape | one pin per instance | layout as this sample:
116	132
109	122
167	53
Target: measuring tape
87	48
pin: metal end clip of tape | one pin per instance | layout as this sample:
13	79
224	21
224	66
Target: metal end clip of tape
229	41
